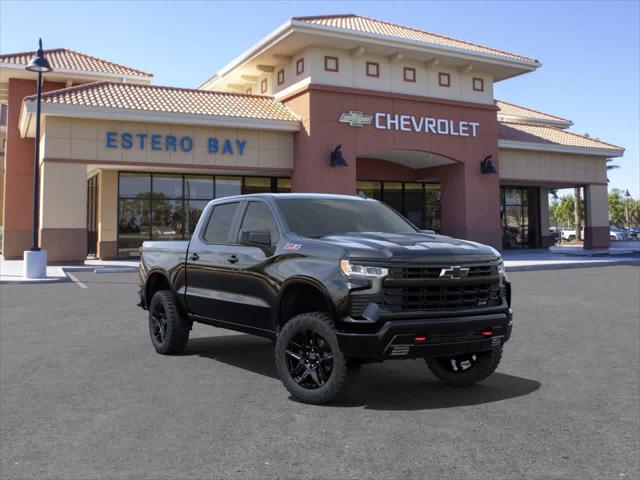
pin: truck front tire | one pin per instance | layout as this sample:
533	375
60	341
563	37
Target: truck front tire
465	370
168	330
309	361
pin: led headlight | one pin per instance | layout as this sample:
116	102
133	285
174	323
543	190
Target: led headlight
501	270
355	270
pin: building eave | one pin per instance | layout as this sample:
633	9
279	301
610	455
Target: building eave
129	115
64	72
541	147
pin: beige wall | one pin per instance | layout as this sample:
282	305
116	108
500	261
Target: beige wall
108	206
63	195
597	212
80	139
552	167
352	73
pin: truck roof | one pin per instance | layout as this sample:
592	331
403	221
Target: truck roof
296	195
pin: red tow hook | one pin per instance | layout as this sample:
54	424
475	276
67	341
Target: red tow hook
486	333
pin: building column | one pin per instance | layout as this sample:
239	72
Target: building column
546	239
596	216
63	211
107	214
470	203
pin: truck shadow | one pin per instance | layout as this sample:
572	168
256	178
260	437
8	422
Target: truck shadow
393	385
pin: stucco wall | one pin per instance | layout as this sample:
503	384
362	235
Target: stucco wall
352	73
85	140
551	167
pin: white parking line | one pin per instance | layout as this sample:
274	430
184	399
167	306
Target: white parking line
75	280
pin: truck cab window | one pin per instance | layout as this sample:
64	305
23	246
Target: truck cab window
220	223
259	217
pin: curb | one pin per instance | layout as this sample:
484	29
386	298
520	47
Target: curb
566	266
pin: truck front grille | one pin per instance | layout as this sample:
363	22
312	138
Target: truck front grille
433	297
475	271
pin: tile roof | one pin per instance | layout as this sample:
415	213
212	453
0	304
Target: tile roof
370	25
513	110
65	59
152	98
544	135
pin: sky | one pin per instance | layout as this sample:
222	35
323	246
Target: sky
590	51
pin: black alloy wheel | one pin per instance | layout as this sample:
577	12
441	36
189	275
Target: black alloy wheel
159	323
309	359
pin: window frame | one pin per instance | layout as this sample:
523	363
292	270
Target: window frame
327	59
233	227
377	67
407	70
300	66
480	82
443	75
264	85
280	76
245	209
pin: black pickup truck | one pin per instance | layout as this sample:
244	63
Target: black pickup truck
335	282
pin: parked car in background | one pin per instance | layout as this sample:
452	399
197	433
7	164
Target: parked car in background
618	234
569	234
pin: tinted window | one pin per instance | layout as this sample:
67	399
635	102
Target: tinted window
220	223
319	217
259	217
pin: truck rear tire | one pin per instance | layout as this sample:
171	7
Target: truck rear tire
309	361
465	370
168	330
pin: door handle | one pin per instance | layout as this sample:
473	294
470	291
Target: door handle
194	256
233	259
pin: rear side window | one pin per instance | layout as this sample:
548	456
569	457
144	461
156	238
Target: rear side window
259	217
220	223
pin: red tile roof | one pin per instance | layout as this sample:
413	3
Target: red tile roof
65	59
152	98
370	25
544	135
513	110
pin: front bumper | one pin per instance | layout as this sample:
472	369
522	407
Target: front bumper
429	337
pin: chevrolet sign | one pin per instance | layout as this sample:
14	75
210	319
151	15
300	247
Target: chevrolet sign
355	119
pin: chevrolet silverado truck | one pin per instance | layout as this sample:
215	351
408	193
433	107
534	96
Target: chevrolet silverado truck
335	282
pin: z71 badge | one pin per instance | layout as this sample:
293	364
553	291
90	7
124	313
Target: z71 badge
293	246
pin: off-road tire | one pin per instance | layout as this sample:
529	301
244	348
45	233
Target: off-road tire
176	331
485	365
341	376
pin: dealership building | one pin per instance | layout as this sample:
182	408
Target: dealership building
341	104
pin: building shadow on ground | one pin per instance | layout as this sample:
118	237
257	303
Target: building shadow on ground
392	385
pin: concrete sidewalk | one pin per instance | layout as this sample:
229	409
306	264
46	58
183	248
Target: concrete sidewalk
11	270
515	260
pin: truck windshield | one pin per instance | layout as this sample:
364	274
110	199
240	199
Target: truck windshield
320	217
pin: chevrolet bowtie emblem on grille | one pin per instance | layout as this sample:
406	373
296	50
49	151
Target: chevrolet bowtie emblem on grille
455	273
356	119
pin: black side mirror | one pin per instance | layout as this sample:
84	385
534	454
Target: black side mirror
259	238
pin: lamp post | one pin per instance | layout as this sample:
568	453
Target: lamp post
626	208
35	260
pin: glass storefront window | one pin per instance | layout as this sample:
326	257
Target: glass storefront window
228	186
167	186
370	189
256	185
168	206
392	195
283	185
135	185
414	204
519	219
199	187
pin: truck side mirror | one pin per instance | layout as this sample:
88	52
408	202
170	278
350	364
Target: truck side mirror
258	238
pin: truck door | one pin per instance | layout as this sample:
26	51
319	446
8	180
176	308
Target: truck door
251	286
210	261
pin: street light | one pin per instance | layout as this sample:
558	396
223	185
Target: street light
35	260
626	208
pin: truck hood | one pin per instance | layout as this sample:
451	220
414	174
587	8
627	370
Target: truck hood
408	246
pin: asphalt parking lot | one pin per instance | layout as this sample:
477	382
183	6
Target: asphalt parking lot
84	396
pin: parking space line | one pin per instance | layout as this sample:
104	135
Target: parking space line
75	280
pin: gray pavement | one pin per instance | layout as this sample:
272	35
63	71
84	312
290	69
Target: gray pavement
83	395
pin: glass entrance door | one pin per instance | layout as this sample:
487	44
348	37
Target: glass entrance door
92	216
519	217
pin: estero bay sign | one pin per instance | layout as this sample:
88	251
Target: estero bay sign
411	123
171	143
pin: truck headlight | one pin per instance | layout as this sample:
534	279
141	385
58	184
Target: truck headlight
355	270
501	271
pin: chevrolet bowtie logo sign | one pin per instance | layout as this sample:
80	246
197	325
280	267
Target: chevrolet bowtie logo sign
356	119
455	273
